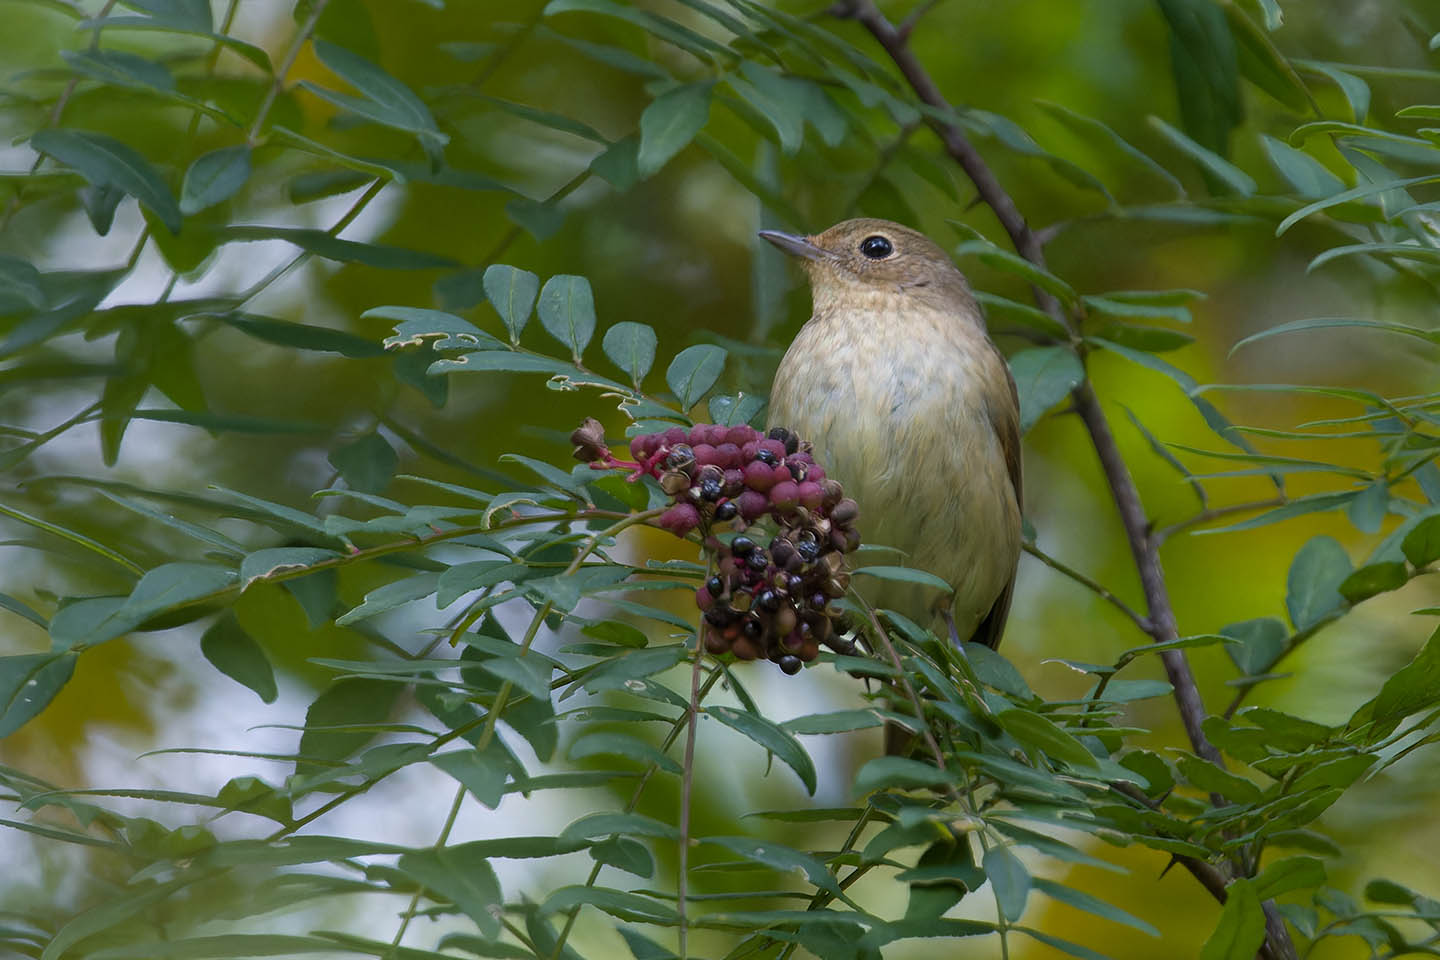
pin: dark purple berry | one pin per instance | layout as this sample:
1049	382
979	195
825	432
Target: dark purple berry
715	585
766	456
808	550
681	455
710	489
758	561
768	600
740	546
753	628
726	511
790	664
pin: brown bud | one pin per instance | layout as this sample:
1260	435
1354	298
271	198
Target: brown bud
589	440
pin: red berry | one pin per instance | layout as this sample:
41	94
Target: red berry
675	435
741	435
680	519
734	481
759	477
786	495
642	446
747	451
810	495
752	504
728	455
703	599
781	473
704	453
815	473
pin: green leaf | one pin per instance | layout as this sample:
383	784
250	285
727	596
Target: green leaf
1081	900
783	101
626	854
226	945
1009	878
1373	579
773	738
609	743
1044	376
436	328
1354	193
618	164
264	563
171	585
106	162
20	608
840	721
782	858
694	371
367	464
1237	180
235	653
27	685
114	910
322	244
462	875
567	312
482	772
1414	688
1421	545
631	347
387	100
1317	323
1305	174
301	336
734	410
1204	775
1241	930
669	123
1292	873
1001	259
606	824
1093	131
120	68
1314	581
904	575
356	700
1041	733
1260	644
392	595
1356	90
1205	65
511	291
903	773
214	178
1151	339
626	906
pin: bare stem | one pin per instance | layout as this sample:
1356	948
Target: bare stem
687	783
278	84
1093	585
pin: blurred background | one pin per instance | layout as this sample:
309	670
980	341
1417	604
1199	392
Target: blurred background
529	101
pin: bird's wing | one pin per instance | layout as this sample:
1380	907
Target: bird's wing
1005	421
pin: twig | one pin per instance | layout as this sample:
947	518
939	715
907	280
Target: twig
1213	513
1093	585
291	56
687	783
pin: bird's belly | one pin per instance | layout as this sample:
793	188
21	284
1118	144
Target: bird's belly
912	441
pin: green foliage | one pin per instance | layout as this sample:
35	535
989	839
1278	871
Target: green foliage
429	600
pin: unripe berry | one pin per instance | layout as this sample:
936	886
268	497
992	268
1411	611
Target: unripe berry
727	455
704	453
775	448
704	599
810	495
674	436
741	435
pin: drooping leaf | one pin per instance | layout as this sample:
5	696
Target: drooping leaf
1009	878
462	875
367	464
1225	172
214	178
106	162
1314	580
235	653
772	737
1260	643
27	685
386	100
669	124
1241	929
1044	376
323	244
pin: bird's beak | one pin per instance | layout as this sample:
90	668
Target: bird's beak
794	245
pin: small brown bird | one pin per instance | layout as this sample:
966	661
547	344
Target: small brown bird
912	407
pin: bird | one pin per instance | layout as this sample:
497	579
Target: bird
907	402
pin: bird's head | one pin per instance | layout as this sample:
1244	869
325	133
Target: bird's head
876	261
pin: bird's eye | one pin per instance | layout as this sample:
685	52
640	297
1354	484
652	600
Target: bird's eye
876	247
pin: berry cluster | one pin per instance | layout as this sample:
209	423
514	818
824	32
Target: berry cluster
772	599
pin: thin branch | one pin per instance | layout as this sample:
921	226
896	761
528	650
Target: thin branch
291	55
1214	513
1093	585
687	784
